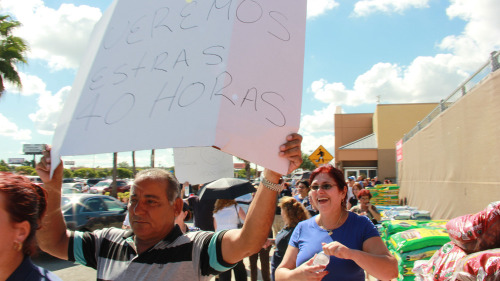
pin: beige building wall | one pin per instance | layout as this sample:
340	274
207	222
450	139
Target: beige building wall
386	164
389	123
358	154
450	167
351	127
392	121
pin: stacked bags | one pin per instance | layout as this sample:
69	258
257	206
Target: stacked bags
412	240
415	244
472	254
384	194
403	213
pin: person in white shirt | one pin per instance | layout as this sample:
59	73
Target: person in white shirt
227	215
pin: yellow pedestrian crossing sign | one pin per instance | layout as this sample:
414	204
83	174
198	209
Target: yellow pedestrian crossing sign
320	156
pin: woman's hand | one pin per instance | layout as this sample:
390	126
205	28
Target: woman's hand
336	249
308	271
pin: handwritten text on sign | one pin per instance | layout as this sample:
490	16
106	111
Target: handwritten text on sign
162	24
171	73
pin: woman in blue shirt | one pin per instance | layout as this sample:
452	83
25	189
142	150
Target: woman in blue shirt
351	241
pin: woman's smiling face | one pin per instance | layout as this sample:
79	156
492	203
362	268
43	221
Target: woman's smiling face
330	199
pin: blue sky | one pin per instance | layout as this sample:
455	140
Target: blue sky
357	52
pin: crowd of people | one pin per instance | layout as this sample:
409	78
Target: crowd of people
298	202
324	214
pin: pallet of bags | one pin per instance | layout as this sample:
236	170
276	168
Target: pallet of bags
420	215
407	260
452	263
384	194
416	244
390	227
383	209
472	254
399	213
441	265
477	232
483	265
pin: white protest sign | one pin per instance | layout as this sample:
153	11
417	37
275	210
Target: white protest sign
199	165
171	73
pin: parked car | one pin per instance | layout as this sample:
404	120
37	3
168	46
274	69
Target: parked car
121	186
77	185
69	190
92	182
100	186
88	212
36	180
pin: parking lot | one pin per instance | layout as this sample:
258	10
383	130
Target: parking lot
65	270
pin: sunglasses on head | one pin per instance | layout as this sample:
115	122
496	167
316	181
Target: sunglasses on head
325	186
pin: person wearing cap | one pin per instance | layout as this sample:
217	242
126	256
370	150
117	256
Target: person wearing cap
155	248
350	183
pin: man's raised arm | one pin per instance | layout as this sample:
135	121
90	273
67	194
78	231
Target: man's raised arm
52	237
240	243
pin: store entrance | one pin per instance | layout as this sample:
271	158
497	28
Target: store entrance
369	172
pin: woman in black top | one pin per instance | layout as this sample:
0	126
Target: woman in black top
292	212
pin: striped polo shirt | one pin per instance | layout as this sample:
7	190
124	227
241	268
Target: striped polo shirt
191	256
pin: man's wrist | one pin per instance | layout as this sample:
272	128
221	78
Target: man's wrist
272	176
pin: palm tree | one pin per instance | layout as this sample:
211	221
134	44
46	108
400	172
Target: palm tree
114	191
12	51
133	164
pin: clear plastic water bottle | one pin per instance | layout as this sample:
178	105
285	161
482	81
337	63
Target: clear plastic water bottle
321	259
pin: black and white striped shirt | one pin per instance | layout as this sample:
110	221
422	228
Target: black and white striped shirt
191	256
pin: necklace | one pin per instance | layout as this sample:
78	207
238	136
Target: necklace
330	231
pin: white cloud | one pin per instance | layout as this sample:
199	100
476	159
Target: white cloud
316	8
426	79
31	85
46	118
11	130
320	121
481	34
56	36
366	7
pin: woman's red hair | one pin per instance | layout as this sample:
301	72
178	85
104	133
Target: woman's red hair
26	201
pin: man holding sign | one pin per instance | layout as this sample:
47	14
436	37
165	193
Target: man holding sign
156	248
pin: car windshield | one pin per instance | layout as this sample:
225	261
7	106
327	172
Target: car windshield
103	183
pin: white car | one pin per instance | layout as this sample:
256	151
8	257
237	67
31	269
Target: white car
76	185
99	187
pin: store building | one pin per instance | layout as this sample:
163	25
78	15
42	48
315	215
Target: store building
365	143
